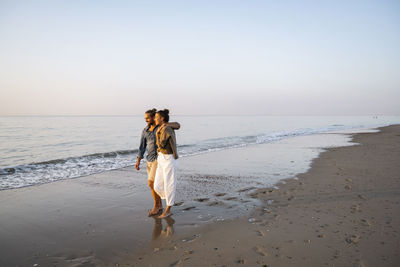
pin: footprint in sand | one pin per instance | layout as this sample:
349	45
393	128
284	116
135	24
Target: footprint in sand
191	238
178	203
189	208
260	233
355	208
254	195
215	203
246	189
353	239
264	210
201	199
365	222
260	251
362	197
230	198
219	194
241	261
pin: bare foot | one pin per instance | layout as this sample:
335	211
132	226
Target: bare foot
165	215
155	211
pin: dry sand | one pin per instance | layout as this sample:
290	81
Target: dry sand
345	211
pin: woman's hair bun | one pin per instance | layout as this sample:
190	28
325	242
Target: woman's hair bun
164	113
154	110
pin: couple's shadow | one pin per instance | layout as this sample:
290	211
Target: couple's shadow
159	232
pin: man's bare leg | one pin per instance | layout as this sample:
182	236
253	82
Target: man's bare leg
157	200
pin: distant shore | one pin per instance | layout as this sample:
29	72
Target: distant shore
345	211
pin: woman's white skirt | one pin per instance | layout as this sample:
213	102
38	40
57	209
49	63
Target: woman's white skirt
165	180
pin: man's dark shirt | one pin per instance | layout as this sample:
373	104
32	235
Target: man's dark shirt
148	139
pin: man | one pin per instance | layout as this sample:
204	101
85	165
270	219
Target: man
148	140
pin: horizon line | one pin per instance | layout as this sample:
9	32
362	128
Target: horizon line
135	115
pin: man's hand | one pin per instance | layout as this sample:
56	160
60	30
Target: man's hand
137	164
174	125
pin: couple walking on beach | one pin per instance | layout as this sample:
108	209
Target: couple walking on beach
158	138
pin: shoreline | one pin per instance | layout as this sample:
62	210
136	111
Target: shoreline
16	176
350	218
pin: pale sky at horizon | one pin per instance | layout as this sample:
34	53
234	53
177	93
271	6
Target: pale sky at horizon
200	57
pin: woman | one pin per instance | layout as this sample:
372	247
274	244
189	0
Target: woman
165	180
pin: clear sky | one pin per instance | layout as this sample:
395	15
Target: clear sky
200	57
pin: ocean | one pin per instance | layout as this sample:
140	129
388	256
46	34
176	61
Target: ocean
42	149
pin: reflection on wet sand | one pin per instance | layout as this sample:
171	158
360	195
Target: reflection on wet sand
158	230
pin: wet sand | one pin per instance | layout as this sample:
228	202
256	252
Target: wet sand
342	212
345	211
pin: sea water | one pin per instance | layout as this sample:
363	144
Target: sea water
43	149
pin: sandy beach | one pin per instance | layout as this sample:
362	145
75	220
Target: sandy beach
341	212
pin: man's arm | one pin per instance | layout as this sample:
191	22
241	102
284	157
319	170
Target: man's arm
174	125
142	150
